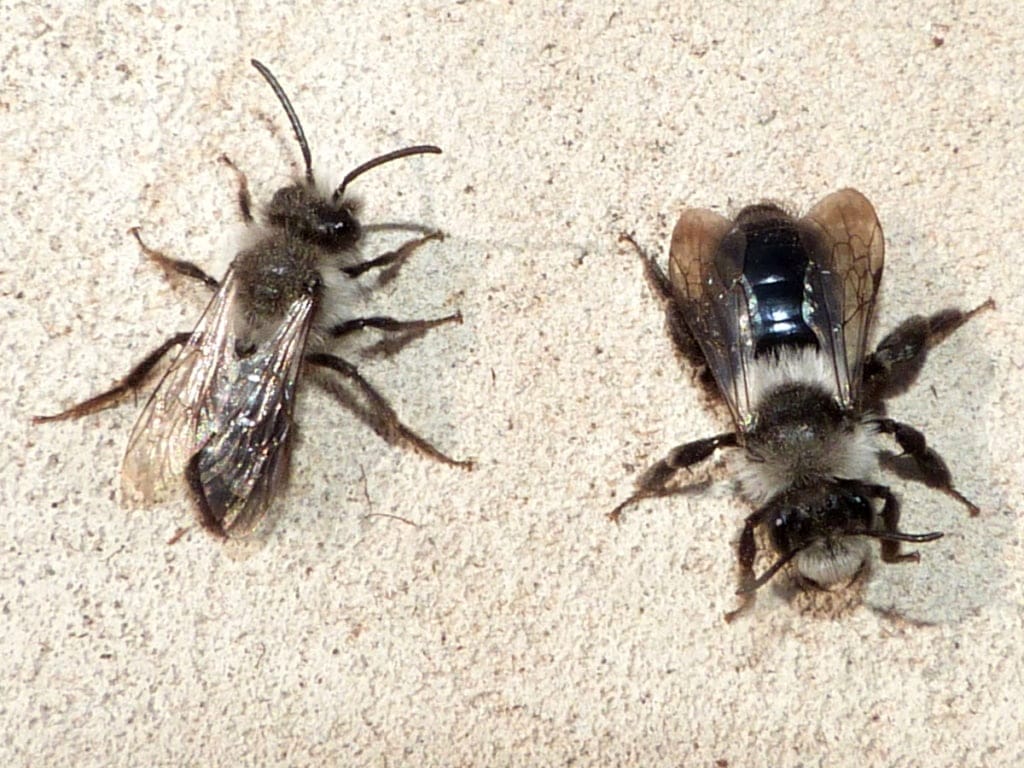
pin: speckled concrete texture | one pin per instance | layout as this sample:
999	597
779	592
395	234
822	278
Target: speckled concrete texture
403	612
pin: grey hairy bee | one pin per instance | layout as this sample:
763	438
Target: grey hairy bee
221	416
775	311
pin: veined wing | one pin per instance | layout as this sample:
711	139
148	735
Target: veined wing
235	473
844	279
710	295
183	410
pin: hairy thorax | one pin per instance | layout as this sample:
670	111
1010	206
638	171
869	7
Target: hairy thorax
272	275
800	435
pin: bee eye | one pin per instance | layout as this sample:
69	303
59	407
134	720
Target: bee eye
335	226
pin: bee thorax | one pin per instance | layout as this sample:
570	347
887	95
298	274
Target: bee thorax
272	275
801	434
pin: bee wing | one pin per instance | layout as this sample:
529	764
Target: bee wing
709	293
844	281
236	472
183	408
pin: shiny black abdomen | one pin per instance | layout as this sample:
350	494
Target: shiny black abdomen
774	269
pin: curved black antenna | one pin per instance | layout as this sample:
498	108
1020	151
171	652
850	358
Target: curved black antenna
763	579
900	536
419	149
296	125
775	567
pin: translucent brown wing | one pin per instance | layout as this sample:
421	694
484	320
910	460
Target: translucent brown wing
183	410
236	471
710	295
845	259
845	279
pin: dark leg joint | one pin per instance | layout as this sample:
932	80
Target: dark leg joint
166	263
396	256
933	469
135	377
244	198
391	325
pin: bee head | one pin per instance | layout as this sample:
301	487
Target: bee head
301	211
304	213
821	526
825	526
821	512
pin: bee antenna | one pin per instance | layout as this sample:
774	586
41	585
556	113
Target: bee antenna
290	111
900	536
419	149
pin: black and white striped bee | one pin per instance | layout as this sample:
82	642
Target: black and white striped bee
778	310
222	415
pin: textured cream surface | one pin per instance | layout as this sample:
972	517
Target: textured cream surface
403	612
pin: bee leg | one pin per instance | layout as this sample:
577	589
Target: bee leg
746	553
244	198
933	470
746	600
678	331
391	325
890	522
135	377
180	266
683	340
896	362
655	481
394	258
893	536
655	275
381	415
405	331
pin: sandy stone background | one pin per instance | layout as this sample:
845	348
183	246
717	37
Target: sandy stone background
403	612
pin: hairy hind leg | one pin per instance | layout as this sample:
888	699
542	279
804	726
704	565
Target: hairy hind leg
132	381
678	331
385	419
138	374
899	357
932	467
